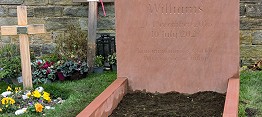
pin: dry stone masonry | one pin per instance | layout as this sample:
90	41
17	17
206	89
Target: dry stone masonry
250	31
57	15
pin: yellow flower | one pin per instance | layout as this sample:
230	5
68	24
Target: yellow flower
46	94
7	100
4	101
17	89
9	88
11	101
1	110
36	94
47	98
38	107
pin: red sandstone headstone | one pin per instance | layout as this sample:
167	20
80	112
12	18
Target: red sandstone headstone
177	45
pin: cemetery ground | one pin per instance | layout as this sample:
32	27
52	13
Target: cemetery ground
79	93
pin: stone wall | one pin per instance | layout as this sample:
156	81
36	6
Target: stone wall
250	31
57	15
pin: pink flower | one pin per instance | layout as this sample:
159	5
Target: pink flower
60	76
39	63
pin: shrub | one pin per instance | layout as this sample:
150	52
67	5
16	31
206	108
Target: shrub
99	61
10	62
74	45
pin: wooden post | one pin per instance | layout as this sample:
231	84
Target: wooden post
92	26
22	30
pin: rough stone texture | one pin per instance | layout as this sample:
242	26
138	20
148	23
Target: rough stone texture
245	37
242	9
106	23
254	10
12	12
48	11
83	23
250	31
109	8
36	2
5	39
60	23
62	2
251	51
2	11
11	2
8	21
250	23
76	11
257	37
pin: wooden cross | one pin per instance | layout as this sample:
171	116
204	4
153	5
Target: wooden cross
92	27
22	29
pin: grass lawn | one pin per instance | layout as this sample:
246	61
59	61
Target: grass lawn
79	93
250	94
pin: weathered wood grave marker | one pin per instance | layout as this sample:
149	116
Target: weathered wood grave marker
22	29
92	27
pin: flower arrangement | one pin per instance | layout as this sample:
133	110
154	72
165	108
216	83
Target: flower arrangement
43	71
69	68
99	61
112	59
19	101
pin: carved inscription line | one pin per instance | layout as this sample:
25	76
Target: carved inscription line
177	51
157	33
168	8
180	24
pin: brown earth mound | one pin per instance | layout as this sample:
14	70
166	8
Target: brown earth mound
173	104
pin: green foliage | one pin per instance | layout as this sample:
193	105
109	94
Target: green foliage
10	63
70	67
82	92
57	91
112	59
74	44
53	57
250	93
99	61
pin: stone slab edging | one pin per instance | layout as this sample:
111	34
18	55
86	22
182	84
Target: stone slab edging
232	98
107	101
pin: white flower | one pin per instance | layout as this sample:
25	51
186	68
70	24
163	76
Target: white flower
40	89
49	107
6	93
39	61
20	111
25	97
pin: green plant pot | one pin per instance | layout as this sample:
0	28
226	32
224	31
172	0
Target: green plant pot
98	70
114	68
